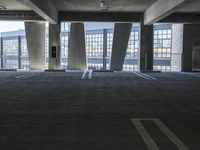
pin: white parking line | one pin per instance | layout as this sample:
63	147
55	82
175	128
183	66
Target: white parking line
140	75
27	75
171	135
148	76
145	135
149	141
21	76
83	76
31	75
90	74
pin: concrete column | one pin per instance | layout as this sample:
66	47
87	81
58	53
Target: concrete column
190	35
121	36
1	53
54	42
177	47
146	48
196	57
77	50
19	53
35	34
105	32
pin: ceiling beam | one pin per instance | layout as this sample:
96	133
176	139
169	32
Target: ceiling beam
161	9
185	18
20	16
100	16
44	8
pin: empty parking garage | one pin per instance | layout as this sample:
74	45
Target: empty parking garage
99	75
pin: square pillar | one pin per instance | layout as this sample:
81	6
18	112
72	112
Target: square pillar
54	46
121	37
191	34
77	49
146	48
35	34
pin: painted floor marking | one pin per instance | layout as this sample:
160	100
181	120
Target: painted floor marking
149	141
31	75
24	75
90	74
140	75
148	76
84	74
171	135
145	135
27	75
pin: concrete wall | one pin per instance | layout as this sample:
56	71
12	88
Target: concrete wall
77	50
54	41
121	36
146	48
190	34
35	34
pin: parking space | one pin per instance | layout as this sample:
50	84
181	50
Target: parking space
57	110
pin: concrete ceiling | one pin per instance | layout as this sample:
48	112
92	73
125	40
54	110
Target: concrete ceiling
13	5
94	5
193	7
49	9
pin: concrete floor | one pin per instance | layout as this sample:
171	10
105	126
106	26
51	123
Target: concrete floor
62	111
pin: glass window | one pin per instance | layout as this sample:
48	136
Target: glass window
131	62
162	46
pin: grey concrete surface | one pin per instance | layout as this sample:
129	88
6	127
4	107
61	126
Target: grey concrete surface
35	35
44	8
77	49
94	5
161	9
177	46
54	41
121	36
190	35
79	10
59	110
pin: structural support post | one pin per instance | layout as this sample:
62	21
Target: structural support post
146	48
121	36
54	46
177	47
190	36
1	53
19	53
77	50
104	48
35	34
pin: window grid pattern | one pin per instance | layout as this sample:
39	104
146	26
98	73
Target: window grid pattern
162	68
109	42
10	47
64	50
162	47
10	53
24	54
131	62
162	43
128	67
94	45
133	45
